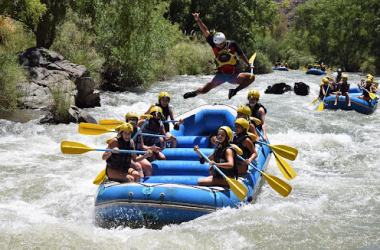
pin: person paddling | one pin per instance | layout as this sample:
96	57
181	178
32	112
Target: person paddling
119	165
167	110
368	87
224	157
258	111
343	89
225	57
244	142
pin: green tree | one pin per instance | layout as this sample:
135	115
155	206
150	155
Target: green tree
241	20
40	16
339	32
134	37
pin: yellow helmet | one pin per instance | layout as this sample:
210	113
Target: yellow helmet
124	127
370	76
325	80
254	94
155	109
163	94
245	110
368	80
130	115
345	76
243	122
230	135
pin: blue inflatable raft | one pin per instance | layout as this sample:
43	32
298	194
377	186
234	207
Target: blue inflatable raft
281	68
357	104
171	195
315	72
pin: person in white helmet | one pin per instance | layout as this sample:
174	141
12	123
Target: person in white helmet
225	52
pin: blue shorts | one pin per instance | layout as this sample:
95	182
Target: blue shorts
222	78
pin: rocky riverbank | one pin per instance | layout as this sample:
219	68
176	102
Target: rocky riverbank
57	87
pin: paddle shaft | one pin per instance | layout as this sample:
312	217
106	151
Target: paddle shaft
168	121
215	167
120	151
137	133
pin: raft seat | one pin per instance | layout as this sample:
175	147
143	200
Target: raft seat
178	167
185	154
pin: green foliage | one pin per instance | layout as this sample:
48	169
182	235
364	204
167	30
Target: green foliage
10	74
133	36
343	40
27	11
192	57
76	42
61	102
241	21
40	16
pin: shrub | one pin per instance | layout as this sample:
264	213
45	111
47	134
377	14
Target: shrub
76	42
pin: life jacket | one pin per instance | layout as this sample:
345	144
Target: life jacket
325	88
344	87
225	56
220	157
151	129
166	113
255	112
122	160
365	93
238	141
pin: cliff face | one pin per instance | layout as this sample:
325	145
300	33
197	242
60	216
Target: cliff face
288	7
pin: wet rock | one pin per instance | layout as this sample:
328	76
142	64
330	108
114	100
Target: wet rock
278	88
301	88
53	78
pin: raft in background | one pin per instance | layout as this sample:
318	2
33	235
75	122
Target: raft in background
357	104
281	68
172	194
315	72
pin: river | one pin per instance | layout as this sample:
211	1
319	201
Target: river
47	198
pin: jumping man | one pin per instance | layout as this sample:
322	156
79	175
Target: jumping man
225	57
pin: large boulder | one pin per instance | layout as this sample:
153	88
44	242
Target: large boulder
278	88
53	78
301	88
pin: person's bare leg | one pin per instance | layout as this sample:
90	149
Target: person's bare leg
244	80
202	90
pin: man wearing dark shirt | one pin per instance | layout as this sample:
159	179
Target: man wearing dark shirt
225	57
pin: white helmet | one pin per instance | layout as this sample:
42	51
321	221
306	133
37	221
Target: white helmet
219	38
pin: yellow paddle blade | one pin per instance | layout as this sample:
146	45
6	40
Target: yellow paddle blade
304	69
109	140
252	135
100	178
284	167
277	184
237	188
74	148
252	58
329	70
321	106
290	69
256	120
238	150
285	151
316	99
372	95
92	129
110	124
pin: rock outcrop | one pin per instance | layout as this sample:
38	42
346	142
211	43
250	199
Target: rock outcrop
53	79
